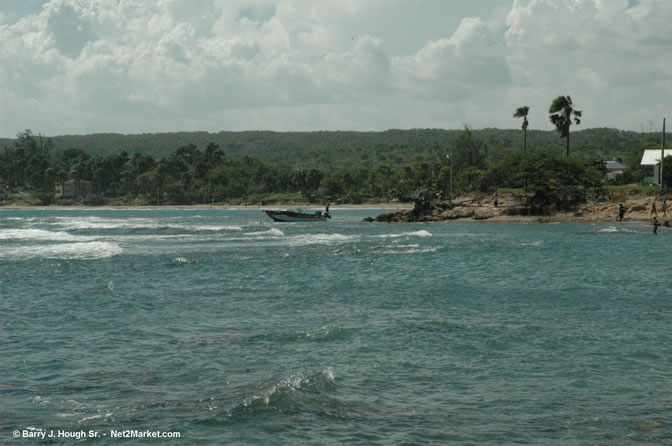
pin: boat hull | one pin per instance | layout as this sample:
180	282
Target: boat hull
291	216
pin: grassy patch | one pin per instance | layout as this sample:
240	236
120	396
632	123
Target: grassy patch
633	190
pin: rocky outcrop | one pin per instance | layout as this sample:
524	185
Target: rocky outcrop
512	209
436	211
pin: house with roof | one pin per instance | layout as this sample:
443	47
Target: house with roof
651	165
614	169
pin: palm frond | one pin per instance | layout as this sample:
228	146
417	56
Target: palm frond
521	112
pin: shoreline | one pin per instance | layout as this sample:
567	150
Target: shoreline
279	206
587	214
475	209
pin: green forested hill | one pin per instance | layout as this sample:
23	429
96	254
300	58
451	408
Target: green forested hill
345	149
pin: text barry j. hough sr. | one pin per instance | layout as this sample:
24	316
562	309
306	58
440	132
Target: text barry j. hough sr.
81	434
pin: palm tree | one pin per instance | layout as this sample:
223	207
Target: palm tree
521	112
561	116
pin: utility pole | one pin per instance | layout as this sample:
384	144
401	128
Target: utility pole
450	158
662	157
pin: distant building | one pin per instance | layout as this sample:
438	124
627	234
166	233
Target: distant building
651	165
74	189
614	169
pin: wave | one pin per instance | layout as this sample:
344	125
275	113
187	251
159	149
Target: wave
410	249
41	235
421	233
295	392
213	228
182	261
321	239
535	243
103	223
613	229
136	223
322	334
273	232
66	251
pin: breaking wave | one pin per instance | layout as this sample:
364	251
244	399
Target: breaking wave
273	232
421	233
321	239
40	235
614	229
407	249
295	392
136	223
66	251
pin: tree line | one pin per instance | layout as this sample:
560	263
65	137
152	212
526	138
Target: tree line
201	175
210	173
335	150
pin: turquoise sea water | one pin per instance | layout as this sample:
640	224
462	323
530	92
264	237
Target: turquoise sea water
229	328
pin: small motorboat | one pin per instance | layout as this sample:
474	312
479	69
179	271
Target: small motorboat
299	215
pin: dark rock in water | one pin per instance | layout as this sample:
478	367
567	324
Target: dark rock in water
368	219
428	210
393	217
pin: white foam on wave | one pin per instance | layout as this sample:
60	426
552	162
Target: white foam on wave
318	381
135	223
104	223
210	228
182	261
150	237
321	239
273	232
535	243
421	233
40	235
67	251
21	218
408	250
614	229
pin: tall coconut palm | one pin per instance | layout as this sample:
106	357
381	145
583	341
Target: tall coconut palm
562	111
521	112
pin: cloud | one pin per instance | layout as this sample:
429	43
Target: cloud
472	59
607	54
134	66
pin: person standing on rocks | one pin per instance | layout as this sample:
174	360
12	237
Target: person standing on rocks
664	207
621	211
495	198
654	211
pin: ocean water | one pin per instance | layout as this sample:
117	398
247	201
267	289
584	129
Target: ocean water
231	329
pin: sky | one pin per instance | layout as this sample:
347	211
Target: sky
144	66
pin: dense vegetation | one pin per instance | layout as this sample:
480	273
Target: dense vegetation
340	166
336	150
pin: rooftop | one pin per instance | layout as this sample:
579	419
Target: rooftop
652	157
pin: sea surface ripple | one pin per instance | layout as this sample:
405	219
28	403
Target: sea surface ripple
229	328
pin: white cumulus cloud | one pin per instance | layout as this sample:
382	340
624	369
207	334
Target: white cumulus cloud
82	66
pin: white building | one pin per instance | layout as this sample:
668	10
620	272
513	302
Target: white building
651	165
